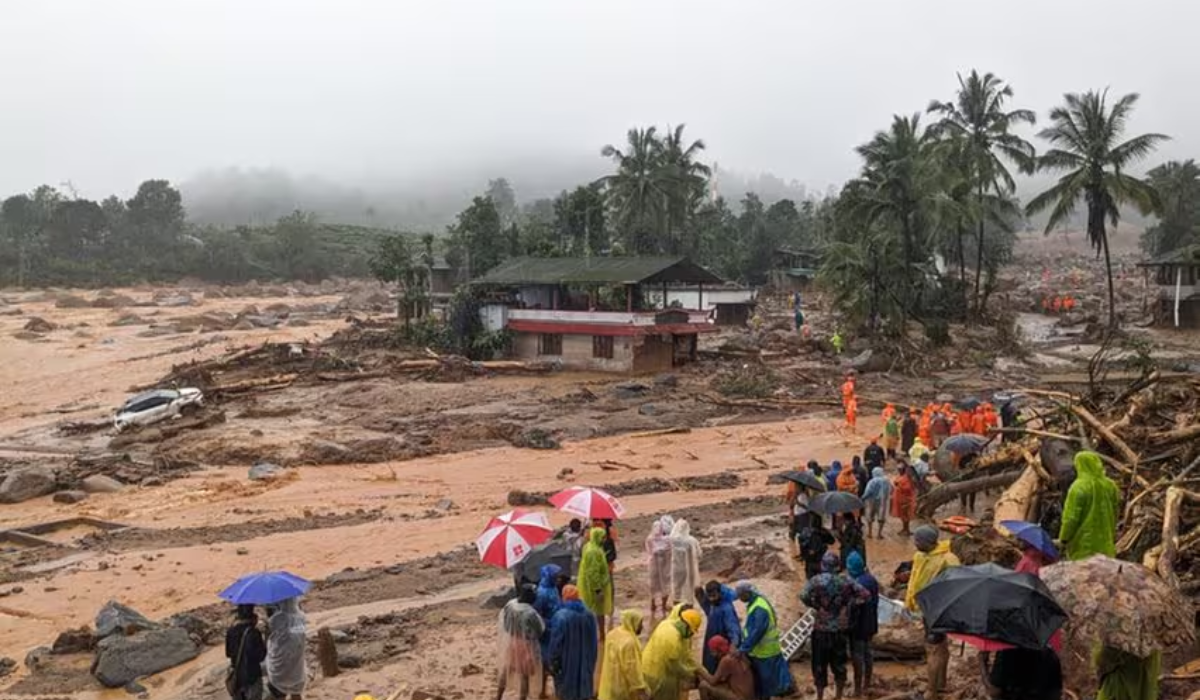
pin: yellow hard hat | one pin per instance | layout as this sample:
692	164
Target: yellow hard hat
693	620
364	696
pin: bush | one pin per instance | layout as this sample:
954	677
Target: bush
938	332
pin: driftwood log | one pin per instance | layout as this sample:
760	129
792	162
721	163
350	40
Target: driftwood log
945	493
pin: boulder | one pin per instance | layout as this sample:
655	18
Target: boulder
129	320
26	483
263	471
37	324
37	658
667	380
114	301
70	301
76	641
871	361
115	617
70	496
325	452
202	630
99	483
7	666
121	660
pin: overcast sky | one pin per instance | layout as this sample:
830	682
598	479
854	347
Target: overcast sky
108	93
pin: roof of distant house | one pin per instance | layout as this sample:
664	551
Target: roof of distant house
598	270
1187	255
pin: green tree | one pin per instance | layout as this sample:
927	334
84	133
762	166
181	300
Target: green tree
76	229
579	219
21	227
719	243
396	262
686	187
898	193
477	241
155	217
505	199
1178	187
638	191
980	120
1085	136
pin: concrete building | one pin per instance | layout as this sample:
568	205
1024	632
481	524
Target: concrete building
597	313
1177	275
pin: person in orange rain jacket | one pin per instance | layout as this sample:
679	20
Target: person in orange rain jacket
966	421
1057	304
924	428
852	412
1046	305
990	416
1068	303
888	411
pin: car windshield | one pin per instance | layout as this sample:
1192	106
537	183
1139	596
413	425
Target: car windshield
149	400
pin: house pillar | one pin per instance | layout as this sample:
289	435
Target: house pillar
700	297
629	298
664	296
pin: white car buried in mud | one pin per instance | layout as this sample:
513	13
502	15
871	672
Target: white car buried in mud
154	406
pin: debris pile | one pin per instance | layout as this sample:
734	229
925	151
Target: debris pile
1147	433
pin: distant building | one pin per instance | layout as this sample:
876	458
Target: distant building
598	313
1177	275
793	269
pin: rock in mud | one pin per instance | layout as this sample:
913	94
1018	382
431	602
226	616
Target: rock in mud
426	695
168	298
129	320
37	324
870	361
667	380
26	483
536	439
264	471
76	641
517	497
99	483
36	658
7	666
121	660
115	301
630	390
201	630
325	452
70	497
115	617
647	409
70	301
445	505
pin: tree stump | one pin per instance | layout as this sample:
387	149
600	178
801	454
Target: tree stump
327	653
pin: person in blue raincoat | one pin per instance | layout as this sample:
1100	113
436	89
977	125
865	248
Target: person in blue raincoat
717	603
760	643
835	468
573	648
547	603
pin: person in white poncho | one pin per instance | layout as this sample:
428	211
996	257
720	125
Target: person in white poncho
658	551
286	672
685	563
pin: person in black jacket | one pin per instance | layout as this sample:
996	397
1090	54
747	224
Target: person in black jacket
908	432
246	651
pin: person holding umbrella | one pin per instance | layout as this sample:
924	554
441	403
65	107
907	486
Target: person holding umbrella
246	651
1022	674
931	558
1037	547
595	579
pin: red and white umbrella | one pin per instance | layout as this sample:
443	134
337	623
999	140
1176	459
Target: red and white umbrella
509	538
589	503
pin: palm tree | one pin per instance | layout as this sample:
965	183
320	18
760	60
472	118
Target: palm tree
899	191
637	191
1178	187
978	118
1085	133
688	180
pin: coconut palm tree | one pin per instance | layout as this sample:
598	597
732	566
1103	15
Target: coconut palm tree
979	120
1085	135
688	181
1178	187
638	190
899	190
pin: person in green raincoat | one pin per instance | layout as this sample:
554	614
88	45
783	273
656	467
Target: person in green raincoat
1089	519
1124	676
595	580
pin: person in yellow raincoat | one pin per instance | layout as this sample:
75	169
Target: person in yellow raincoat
1089	519
931	558
667	661
621	674
595	579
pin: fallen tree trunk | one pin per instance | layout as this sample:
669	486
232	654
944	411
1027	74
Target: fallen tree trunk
941	495
1016	501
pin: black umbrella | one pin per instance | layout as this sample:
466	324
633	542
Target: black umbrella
806	479
992	602
835	503
529	571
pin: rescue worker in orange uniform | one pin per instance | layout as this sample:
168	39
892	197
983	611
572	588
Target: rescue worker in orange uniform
849	401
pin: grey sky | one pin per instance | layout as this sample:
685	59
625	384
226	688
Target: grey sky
106	94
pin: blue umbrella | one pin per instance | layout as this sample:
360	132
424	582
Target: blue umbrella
1033	535
265	588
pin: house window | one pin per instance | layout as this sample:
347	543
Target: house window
550	344
602	346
